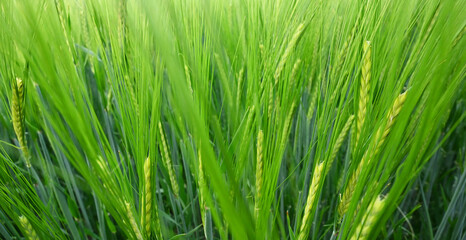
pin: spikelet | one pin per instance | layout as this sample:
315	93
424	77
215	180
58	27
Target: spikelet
339	141
294	71
132	221
109	99
133	94
287	52
168	163
259	173
17	115
61	14
344	49
239	87
364	89
188	78
368	222
28	230
286	126
315	182
459	37
147	199
312	105
122	21
270	105
349	190
202	191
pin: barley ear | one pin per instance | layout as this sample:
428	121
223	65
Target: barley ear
381	135
202	192
259	173
369	220
312	105
132	221
17	115
364	88
168	163
294	72
313	187
288	51
147	199
339	141
286	126
28	230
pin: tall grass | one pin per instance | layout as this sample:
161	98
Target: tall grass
232	119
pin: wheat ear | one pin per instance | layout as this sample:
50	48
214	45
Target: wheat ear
368	222
29	231
305	224
259	173
147	199
132	221
17	115
364	88
288	51
168	163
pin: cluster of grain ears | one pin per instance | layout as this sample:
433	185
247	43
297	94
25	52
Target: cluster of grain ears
381	135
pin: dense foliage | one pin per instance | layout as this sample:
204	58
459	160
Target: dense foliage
232	119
